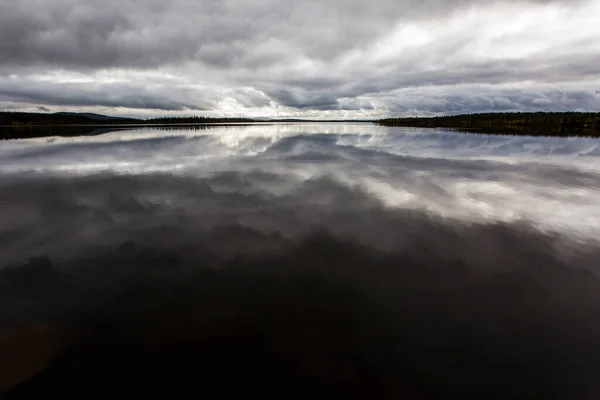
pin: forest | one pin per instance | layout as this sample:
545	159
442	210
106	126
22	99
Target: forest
19	119
18	125
532	124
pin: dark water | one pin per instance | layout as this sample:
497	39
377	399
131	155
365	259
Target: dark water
301	260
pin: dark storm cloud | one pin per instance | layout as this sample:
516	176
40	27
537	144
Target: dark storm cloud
83	35
148	34
303	99
542	69
144	94
160	96
458	92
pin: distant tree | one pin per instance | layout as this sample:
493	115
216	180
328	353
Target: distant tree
538	124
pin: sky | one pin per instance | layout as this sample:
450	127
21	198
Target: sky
305	58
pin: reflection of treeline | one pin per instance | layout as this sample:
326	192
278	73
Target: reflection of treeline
20	120
35	131
177	128
537	124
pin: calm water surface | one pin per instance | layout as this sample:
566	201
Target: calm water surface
372	257
551	182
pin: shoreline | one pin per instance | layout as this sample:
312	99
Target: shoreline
14	126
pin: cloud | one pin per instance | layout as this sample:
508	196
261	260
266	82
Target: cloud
157	94
304	57
130	95
473	99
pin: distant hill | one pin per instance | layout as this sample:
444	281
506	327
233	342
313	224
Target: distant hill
21	119
93	116
24	120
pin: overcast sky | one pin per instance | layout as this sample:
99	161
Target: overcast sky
278	58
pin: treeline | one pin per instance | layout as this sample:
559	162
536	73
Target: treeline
536	124
194	120
24	120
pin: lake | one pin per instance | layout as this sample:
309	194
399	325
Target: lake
551	182
321	259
